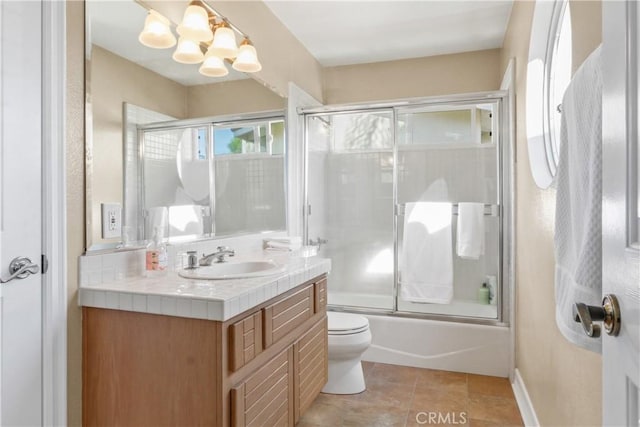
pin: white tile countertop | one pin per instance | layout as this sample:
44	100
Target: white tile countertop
220	300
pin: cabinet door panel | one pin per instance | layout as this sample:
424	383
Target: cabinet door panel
321	295
265	398
284	316
245	341
310	353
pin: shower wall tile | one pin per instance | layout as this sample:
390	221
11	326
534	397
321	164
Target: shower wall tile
469	173
250	194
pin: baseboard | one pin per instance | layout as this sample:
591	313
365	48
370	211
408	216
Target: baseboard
524	402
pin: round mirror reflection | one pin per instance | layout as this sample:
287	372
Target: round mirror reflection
548	75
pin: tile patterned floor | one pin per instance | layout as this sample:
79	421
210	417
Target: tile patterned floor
406	397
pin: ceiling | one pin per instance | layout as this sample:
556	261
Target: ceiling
356	32
335	32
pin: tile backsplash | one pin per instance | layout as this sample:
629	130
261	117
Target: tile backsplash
104	267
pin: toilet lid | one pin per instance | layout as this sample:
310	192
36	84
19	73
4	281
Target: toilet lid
346	323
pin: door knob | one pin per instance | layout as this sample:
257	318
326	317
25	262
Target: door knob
609	313
20	268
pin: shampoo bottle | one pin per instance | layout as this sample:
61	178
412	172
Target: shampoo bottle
156	256
483	294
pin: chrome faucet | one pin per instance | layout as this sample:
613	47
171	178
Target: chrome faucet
219	255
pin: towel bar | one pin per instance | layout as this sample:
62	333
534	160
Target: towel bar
489	209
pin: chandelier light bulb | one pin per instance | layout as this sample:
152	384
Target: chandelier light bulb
213	66
195	24
247	59
199	33
224	43
188	51
157	32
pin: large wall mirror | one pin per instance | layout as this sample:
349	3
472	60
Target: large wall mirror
164	142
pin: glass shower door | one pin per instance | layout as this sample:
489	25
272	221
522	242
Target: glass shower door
176	182
350	199
448	197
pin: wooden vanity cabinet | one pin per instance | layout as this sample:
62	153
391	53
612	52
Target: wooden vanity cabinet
263	367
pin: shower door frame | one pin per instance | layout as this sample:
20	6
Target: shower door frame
506	194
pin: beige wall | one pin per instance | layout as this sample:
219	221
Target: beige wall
115	80
239	96
75	203
563	381
436	75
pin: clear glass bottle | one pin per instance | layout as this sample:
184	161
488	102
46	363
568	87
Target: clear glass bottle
156	260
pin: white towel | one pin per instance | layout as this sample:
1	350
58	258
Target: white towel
426	265
470	230
578	241
282	243
185	220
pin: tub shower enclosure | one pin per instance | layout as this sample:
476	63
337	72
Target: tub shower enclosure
385	188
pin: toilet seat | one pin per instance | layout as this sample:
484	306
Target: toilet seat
346	323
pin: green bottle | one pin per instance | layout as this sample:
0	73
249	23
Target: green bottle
483	294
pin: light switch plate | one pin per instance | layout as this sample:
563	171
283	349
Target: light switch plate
111	220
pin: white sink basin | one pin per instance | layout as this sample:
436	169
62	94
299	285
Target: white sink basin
233	270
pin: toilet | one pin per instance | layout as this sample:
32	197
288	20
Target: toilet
349	337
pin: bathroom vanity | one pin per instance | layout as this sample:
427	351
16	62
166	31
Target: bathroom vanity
168	362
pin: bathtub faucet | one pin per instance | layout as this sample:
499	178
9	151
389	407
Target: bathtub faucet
218	255
318	242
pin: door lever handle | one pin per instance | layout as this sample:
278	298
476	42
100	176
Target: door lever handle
20	268
609	313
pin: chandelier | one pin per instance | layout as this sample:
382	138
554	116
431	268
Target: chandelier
205	37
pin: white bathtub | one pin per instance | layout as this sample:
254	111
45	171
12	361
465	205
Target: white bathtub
450	346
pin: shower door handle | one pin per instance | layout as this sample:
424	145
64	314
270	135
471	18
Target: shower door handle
609	313
318	242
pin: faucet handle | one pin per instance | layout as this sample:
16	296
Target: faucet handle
192	260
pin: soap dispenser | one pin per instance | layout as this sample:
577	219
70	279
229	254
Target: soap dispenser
483	294
156	256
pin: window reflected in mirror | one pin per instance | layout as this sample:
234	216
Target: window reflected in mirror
207	179
249	177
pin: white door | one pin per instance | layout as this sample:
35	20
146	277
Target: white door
20	212
620	215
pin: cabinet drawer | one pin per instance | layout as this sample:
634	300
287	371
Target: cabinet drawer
310	356
285	315
321	295
265	398
245	341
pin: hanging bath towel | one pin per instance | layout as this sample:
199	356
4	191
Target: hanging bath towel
578	241
470	230
426	265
